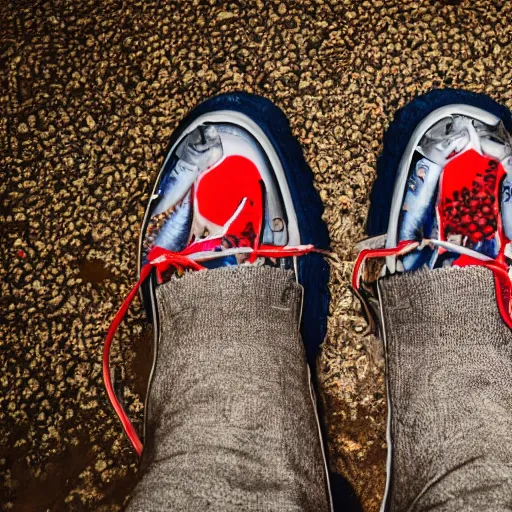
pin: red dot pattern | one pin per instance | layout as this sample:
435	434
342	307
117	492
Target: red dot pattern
468	204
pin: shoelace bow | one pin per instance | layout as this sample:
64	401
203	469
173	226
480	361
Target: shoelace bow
162	260
467	257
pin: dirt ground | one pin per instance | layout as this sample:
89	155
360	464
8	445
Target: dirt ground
90	93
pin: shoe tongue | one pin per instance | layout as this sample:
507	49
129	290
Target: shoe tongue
468	203
469	208
229	198
457	205
231	195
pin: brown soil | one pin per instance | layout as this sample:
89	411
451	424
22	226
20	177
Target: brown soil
91	92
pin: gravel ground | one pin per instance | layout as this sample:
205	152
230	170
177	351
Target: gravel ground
91	92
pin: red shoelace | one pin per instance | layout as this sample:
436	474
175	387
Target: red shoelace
162	260
498	267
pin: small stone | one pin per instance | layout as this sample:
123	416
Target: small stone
22	128
100	466
225	15
33	384
91	123
345	202
281	9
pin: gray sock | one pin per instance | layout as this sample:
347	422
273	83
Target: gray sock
232	424
449	357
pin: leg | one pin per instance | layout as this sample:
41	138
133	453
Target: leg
232	422
450	369
444	300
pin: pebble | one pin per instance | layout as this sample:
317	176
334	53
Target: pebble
224	15
91	123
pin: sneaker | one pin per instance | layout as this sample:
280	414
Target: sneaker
441	199
234	189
